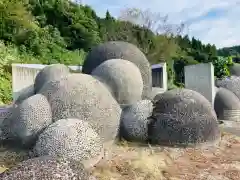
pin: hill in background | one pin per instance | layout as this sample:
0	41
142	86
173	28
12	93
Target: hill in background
48	32
233	51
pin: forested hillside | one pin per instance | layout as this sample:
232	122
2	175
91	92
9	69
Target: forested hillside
229	51
233	51
60	31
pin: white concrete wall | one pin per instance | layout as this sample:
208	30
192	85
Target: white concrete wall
200	78
23	76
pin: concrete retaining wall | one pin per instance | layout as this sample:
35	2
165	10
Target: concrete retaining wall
23	76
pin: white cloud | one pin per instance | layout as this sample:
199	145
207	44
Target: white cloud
222	31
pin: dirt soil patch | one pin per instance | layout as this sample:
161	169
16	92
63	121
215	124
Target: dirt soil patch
131	162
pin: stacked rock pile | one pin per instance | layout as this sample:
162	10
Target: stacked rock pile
71	118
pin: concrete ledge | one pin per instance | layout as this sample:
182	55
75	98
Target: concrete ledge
232	127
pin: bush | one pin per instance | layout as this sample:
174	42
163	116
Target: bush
7	56
221	66
11	54
179	68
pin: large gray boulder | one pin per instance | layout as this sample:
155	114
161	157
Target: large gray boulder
28	119
231	83
227	105
182	95
6	123
83	97
123	79
135	121
183	117
156	91
25	93
120	50
50	73
72	139
235	69
46	168
5	116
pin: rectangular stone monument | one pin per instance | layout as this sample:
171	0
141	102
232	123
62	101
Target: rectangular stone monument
200	78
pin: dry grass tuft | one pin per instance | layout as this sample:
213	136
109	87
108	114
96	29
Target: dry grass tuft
131	161
136	162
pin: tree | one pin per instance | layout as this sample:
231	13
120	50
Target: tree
108	16
184	42
179	65
63	31
14	19
195	44
75	22
163	45
154	21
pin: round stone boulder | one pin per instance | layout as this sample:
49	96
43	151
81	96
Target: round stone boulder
120	50
46	168
235	69
156	91
135	120
50	73
72	139
123	79
29	119
5	119
24	94
231	83
227	105
82	96
183	117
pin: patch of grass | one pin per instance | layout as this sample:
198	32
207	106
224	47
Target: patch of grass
130	161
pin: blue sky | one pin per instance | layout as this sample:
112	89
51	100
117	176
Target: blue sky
212	21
